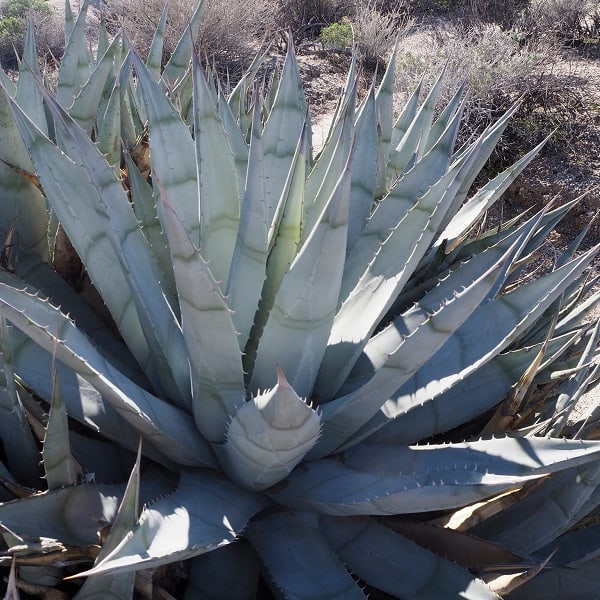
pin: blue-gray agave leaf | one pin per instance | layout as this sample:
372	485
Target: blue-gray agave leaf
231	572
208	331
60	466
285	557
119	585
563	584
397	565
150	414
269	436
384	479
21	452
206	512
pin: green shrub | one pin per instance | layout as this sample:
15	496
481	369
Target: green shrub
337	35
13	17
20	8
11	28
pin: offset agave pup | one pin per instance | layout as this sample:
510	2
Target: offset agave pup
284	330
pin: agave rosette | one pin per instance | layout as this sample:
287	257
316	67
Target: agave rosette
284	329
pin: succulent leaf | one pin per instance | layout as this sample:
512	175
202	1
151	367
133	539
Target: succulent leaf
28	93
324	177
24	215
364	170
283	129
498	323
118	585
474	208
412	144
87	103
575	547
64	514
394	208
60	467
155	53
398	566
556	505
145	209
384	103
284	557
76	65
562	584
382	479
56	333
172	150
217	374
21	452
423	413
84	403
403	357
403	122
109	130
205	512
268	436
306	300
367	299
179	61
249	262
218	189
232	571
113	247
237	142
455	106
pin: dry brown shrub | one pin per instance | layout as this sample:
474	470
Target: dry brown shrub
230	32
563	19
499	67
307	17
377	26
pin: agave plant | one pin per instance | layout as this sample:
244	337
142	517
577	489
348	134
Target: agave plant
274	333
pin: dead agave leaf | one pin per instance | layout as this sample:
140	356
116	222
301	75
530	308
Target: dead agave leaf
16	489
56	558
30	177
465	550
473	514
140	154
504	584
12	592
507	412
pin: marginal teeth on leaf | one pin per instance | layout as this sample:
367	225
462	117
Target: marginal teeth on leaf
268	436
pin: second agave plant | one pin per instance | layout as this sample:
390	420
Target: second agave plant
275	333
